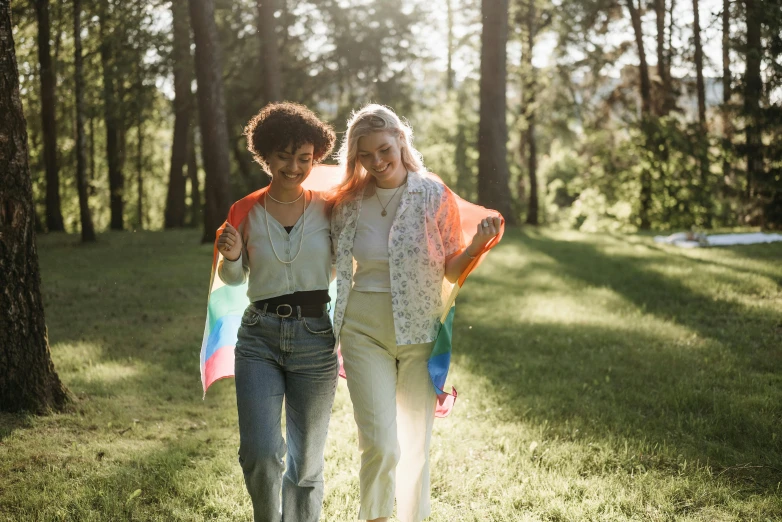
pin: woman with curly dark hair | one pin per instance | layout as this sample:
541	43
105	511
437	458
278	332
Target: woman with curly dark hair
285	348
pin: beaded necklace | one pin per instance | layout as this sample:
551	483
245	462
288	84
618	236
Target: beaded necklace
301	239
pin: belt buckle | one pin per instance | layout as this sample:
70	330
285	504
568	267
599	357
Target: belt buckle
290	310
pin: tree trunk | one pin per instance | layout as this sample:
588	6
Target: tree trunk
696	31
58	37
54	222
92	153
645	196
703	142
727	124
253	180
449	74
270	67
753	87
183	100
28	380
212	122
493	189
532	167
643	68
140	171
663	61
87	229
530	94
111	116
464	174
195	191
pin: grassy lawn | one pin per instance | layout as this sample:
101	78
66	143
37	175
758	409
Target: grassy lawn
600	378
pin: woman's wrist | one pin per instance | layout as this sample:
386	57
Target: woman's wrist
233	260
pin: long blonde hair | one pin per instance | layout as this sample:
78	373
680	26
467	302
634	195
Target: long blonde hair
371	118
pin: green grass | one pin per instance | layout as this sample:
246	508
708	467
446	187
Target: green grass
600	378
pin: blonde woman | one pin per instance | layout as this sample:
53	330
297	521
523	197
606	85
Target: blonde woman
397	238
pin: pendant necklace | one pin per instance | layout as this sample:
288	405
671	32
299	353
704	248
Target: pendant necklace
383	212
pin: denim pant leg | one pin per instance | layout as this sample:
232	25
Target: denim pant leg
260	388
311	382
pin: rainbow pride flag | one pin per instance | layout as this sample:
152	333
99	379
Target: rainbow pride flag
226	304
440	359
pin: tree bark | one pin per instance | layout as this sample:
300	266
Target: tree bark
183	101
703	142
195	190
252	179
140	171
753	88
54	221
464	174
92	153
645	196
643	68
493	189
87	229
111	117
530	94
696	30
28	380
212	120
449	74
727	125
272	75
663	61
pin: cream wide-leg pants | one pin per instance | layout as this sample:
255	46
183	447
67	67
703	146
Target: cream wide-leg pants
393	404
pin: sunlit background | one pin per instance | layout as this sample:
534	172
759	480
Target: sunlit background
595	165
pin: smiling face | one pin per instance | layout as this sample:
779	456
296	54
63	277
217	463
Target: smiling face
290	168
380	154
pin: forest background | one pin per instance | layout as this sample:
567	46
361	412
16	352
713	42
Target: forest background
602	376
609	115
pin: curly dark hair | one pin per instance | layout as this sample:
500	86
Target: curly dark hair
280	125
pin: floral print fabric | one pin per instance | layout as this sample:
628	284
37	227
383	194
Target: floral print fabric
426	230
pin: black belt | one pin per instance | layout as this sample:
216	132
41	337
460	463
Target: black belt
286	310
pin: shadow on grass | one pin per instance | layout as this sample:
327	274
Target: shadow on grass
157	483
717	406
137	296
713	400
768	252
125	319
750	332
10	422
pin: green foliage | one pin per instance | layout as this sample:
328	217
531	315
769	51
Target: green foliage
337	55
447	137
600	378
141	41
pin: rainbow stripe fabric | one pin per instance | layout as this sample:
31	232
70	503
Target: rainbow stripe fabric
226	304
440	359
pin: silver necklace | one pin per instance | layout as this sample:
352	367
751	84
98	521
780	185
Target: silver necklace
285	202
383	212
301	239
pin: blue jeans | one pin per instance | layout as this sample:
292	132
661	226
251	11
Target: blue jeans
293	359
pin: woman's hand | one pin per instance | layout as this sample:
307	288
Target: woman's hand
230	243
487	229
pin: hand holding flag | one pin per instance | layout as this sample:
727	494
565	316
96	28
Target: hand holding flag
229	243
485	232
